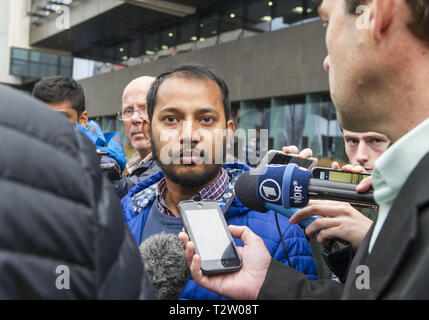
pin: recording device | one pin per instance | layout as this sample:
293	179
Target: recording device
207	229
338	175
281	158
281	188
164	263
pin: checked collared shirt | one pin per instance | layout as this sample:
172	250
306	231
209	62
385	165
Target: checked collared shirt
212	192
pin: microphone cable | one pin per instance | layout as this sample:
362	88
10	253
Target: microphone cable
283	240
277	223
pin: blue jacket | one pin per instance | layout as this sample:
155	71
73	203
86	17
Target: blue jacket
106	142
138	202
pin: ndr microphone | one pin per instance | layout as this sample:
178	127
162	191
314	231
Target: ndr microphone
282	187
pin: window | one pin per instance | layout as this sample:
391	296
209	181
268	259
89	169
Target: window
307	121
188	31
209	25
259	14
34	64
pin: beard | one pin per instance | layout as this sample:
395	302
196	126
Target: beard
193	175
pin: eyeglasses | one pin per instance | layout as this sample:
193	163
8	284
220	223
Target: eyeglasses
129	112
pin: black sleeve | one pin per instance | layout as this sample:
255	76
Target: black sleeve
284	283
147	292
121	186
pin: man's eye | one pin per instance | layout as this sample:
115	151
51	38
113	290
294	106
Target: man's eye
170	119
377	141
207	119
352	141
128	111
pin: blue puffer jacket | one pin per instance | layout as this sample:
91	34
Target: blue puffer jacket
263	224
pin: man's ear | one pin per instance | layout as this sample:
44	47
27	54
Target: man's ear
230	127
146	128
83	119
381	15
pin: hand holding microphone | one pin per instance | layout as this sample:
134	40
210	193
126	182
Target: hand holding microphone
336	220
281	188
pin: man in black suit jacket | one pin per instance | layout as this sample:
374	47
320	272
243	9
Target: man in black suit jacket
378	64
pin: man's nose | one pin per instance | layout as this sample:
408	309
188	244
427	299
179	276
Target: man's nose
327	63
362	155
190	133
136	118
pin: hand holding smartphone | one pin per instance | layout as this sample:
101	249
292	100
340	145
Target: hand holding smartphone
207	229
281	158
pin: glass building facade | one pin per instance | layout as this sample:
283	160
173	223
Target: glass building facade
35	64
208	24
149	35
306	121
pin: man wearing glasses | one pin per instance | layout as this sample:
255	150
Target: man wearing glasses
141	165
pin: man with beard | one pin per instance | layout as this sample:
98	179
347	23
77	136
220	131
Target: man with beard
188	108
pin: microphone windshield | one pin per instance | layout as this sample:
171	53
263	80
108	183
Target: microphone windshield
164	262
245	190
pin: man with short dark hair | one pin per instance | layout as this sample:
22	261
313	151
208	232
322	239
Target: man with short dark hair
378	73
189	125
66	96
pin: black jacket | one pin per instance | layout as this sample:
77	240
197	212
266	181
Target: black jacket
60	219
144	171
397	266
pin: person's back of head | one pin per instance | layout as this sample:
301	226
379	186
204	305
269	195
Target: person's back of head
378	63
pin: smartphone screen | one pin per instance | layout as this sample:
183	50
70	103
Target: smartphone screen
207	229
339	176
210	236
280	158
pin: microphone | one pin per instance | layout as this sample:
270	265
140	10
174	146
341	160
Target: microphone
282	187
164	263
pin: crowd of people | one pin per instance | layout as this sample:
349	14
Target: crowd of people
71	221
